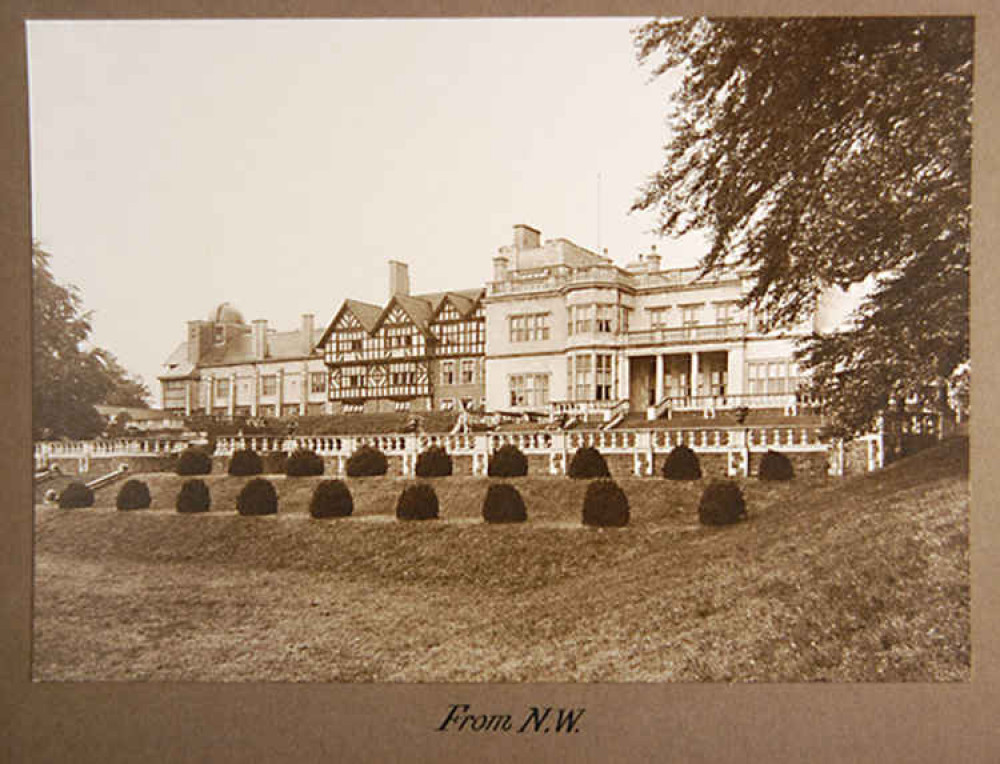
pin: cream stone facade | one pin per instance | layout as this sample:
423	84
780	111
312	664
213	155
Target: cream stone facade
228	368
568	330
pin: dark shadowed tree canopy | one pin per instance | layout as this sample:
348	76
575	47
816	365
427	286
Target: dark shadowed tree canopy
822	152
68	379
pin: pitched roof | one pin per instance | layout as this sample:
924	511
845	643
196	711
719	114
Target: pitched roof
177	365
365	312
281	346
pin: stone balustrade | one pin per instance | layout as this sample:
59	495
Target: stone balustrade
642	446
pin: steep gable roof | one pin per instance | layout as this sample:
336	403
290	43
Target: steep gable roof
417	309
366	313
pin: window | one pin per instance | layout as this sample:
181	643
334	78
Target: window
269	384
725	312
352	408
658	317
447	372
222	388
584	378
402	405
317	382
690	315
531	327
623	318
526	390
603	377
772	377
447	404
605	313
468	371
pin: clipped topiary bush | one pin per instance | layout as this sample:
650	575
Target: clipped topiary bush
193	496
245	462
332	498
682	464
76	495
433	462
605	505
721	503
417	502
304	463
194	461
507	461
503	504
258	497
367	461
274	462
134	494
587	463
775	466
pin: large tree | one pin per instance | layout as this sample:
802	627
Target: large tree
68	377
830	152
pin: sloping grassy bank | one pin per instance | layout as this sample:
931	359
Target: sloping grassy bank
860	579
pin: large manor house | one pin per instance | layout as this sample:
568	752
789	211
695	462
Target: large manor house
560	331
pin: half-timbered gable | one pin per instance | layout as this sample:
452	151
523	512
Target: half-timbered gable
459	326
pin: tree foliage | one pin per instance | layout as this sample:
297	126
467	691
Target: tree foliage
821	152
69	378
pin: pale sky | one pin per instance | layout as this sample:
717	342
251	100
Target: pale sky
279	164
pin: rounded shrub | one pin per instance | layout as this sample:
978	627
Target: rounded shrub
507	461
417	502
775	466
76	495
193	496
258	497
605	505
721	503
245	462
194	461
367	461
304	463
586	463
134	494
682	464
503	504
433	462
331	498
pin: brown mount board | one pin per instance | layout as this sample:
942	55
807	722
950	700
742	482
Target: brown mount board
302	722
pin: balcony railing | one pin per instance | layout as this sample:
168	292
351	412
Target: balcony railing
791	403
681	335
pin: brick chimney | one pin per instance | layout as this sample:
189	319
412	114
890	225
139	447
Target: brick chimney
399	278
526	237
260	339
653	259
199	338
308	321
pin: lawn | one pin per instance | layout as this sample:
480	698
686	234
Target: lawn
854	579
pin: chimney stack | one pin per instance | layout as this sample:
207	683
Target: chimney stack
500	266
260	339
653	259
399	278
526	237
308	321
195	341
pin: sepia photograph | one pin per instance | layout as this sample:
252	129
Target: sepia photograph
501	350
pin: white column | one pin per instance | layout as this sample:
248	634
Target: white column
694	373
305	389
281	392
187	397
232	394
623	377
659	378
593	374
210	395
255	400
